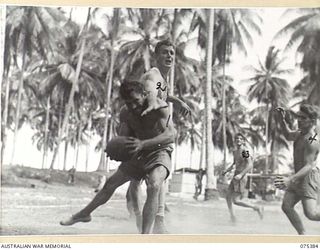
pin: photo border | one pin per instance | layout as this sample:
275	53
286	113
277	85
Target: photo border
135	238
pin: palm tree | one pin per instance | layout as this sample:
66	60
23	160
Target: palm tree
135	55
114	26
73	77
234	27
304	31
270	88
211	186
28	30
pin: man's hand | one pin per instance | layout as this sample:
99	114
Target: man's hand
183	108
134	146
280	112
153	104
238	177
282	182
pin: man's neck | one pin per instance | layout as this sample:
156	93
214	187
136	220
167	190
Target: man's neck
239	146
164	71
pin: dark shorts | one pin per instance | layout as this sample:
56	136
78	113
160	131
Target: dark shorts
309	187
139	168
238	186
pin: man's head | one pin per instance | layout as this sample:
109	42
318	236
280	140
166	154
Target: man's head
239	139
164	52
134	95
307	117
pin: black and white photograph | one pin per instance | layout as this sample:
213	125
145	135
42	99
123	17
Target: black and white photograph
161	121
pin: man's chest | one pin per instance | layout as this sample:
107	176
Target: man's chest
143	126
306	143
161	87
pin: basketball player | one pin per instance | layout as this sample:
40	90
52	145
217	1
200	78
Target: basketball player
304	185
156	85
154	134
243	164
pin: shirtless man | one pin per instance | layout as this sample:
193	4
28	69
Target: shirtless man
154	134
155	82
304	185
243	163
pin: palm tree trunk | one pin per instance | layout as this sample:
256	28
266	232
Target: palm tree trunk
59	123
66	146
74	84
203	143
46	129
6	83
5	117
191	156
146	57
78	147
16	125
224	132
88	145
102	165
267	131
211	185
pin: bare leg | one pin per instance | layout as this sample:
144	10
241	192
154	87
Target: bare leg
229	199
130	207
116	180
237	200
135	194
310	209
155	180
159	227
288	203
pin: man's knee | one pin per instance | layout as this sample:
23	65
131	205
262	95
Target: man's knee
154	186
237	200
286	207
311	214
310	210
116	180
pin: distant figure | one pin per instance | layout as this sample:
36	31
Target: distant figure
102	181
198	184
243	164
71	173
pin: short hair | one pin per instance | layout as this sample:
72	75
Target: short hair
239	134
129	86
310	110
161	43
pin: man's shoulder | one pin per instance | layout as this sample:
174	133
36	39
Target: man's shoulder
151	73
124	113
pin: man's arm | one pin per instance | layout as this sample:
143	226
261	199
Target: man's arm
228	169
185	109
311	159
288	133
167	136
164	138
248	167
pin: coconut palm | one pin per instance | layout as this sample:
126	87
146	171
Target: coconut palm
67	72
135	54
211	186
304	32
114	29
28	31
269	87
